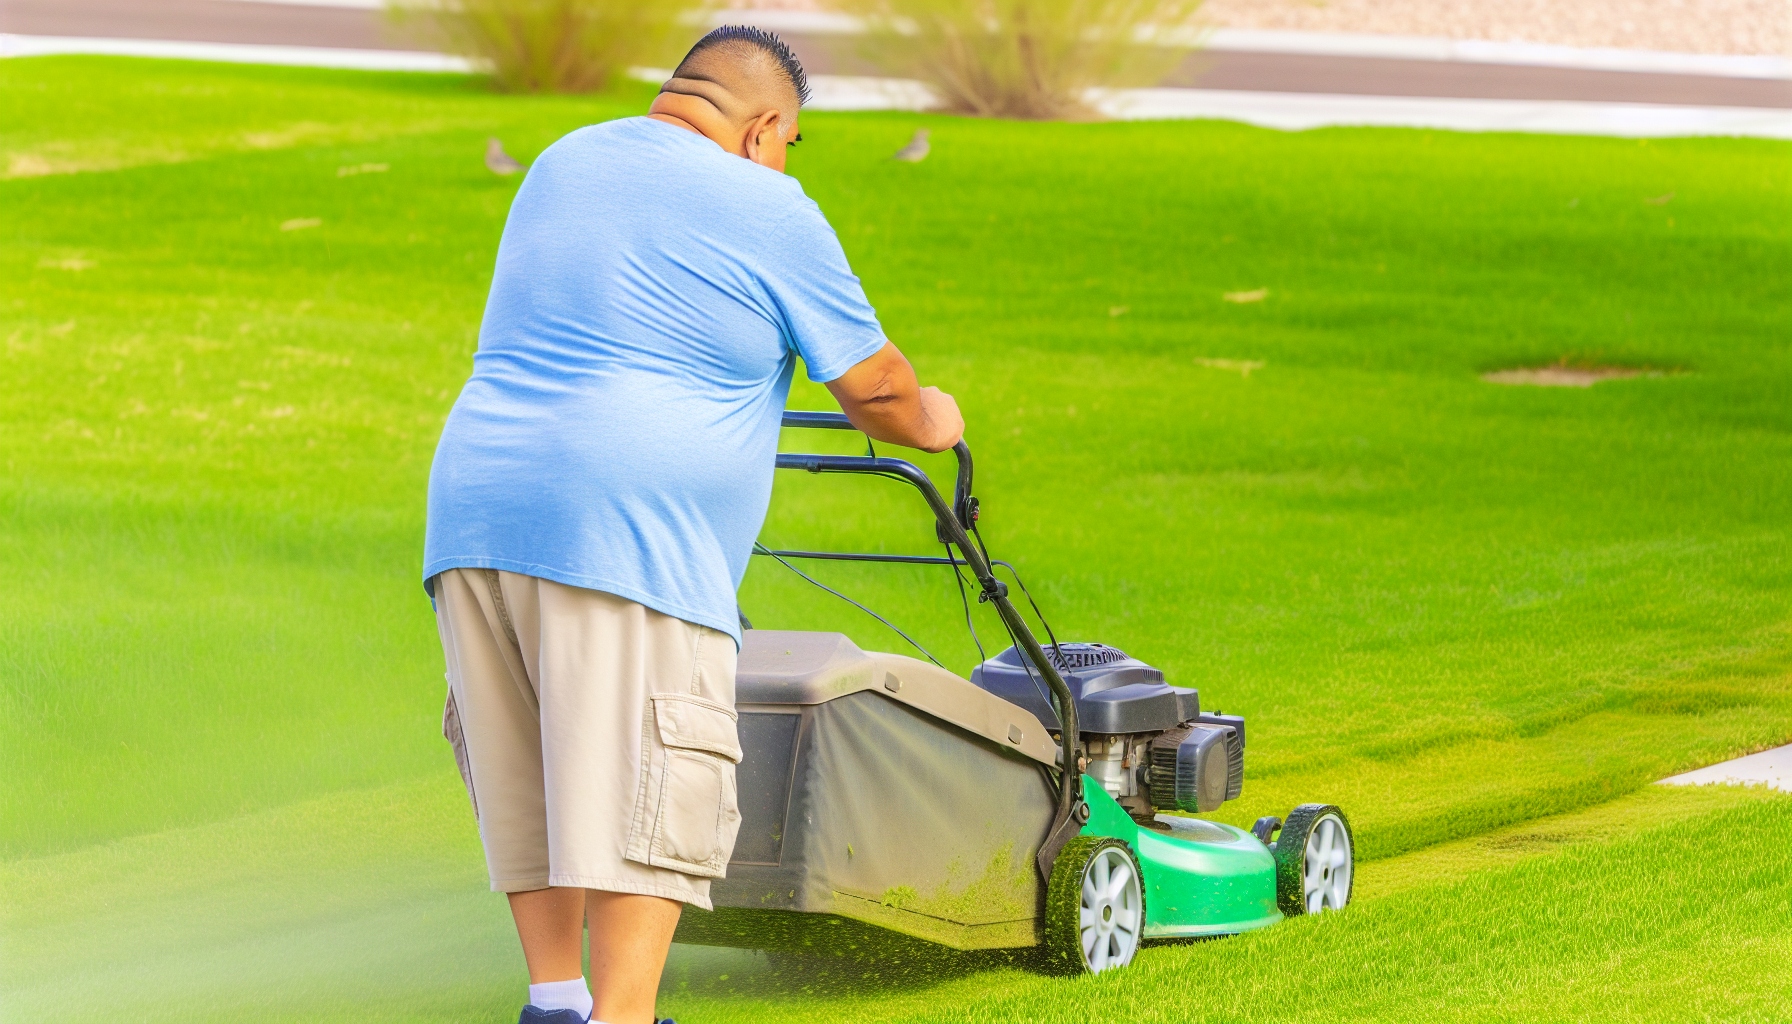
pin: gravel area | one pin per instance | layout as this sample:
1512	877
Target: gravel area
1685	26
1762	27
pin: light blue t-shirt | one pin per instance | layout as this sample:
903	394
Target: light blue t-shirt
651	296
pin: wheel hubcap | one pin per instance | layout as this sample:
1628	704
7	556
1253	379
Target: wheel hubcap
1327	867
1111	913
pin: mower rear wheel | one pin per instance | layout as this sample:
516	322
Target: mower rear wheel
1315	860
1094	906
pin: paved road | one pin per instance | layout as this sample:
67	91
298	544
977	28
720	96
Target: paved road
226	21
205	21
1381	76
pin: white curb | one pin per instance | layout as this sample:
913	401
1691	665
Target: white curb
1770	768
1293	111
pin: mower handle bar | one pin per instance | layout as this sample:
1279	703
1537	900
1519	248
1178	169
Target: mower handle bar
961	491
954	524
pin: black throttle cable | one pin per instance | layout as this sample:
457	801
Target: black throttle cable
762	549
965	599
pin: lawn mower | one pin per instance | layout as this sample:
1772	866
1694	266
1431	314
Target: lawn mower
1046	801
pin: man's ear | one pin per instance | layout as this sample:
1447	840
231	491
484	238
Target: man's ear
763	144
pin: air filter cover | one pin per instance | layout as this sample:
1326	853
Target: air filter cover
1193	770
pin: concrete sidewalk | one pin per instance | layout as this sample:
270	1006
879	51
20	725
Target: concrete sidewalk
1770	768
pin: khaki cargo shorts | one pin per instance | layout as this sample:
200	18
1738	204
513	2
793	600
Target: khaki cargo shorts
596	736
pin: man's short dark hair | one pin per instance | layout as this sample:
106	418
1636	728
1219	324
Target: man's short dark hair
758	38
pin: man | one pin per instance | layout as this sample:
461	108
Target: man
597	490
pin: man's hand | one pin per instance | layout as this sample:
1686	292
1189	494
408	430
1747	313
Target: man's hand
881	397
941	410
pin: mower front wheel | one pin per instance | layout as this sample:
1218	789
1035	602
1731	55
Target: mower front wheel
1094	906
1315	860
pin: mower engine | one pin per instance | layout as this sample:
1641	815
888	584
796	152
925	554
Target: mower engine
1147	742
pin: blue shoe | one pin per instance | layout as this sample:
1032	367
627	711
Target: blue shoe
533	1014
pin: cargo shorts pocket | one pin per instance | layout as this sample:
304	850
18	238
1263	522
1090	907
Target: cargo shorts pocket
457	739
692	814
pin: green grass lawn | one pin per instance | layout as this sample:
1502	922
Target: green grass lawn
1460	610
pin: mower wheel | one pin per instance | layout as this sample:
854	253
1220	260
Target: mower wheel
1094	906
1315	860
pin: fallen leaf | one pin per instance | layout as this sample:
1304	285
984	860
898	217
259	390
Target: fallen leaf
1252	296
299	223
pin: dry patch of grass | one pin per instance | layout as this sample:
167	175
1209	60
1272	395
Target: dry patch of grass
1564	376
1242	367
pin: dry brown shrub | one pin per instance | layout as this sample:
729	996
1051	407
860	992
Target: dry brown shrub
1026	58
556	45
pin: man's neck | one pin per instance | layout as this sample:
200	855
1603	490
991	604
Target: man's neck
679	121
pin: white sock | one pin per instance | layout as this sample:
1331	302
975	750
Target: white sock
562	995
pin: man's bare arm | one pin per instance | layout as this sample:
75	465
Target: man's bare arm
881	397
